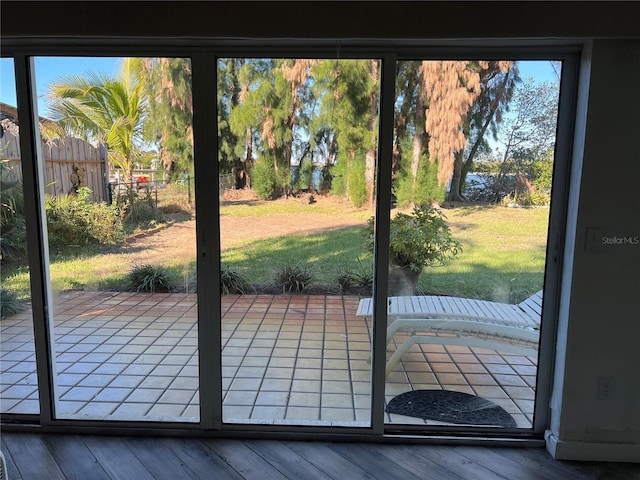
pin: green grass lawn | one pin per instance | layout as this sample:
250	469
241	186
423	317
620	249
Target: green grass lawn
326	253
503	255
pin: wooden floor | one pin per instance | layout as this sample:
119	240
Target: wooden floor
57	456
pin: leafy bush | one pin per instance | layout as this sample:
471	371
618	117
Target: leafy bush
138	207
10	304
357	186
425	190
493	189
348	179
503	181
418	240
294	277
263	180
302	177
267	183
542	174
13	232
150	278
530	198
232	282
75	220
338	175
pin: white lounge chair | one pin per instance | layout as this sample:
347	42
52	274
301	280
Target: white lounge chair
511	328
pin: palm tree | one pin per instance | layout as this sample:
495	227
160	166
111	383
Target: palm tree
104	109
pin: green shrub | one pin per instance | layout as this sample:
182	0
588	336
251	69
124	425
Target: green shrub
428	190
294	277
348	179
345	279
10	304
425	190
364	279
150	278
349	278
13	232
357	186
338	174
264	180
232	282
543	174
138	208
403	189
75	220
417	240
535	198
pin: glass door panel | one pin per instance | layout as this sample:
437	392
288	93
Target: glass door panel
297	152
117	157
473	162
18	382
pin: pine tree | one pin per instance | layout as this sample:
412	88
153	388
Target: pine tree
168	85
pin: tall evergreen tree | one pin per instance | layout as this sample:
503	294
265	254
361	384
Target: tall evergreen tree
498	80
264	111
347	91
452	88
233	148
414	176
168	85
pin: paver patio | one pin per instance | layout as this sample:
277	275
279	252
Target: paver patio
296	359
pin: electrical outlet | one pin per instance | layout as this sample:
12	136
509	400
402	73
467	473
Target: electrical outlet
605	388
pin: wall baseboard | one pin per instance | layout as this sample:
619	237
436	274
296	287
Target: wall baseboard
587	451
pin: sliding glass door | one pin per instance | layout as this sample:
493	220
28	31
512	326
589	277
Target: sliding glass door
18	382
472	174
233	240
118	191
297	159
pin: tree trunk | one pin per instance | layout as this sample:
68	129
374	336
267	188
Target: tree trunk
455	191
370	155
461	166
248	159
396	156
419	137
369	174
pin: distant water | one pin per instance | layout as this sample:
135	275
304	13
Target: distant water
480	178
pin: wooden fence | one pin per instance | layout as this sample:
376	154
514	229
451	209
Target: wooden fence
69	163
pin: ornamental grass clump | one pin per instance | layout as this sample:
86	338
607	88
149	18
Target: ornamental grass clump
232	282
10	304
294	277
150	278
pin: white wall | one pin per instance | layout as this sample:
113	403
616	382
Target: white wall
599	338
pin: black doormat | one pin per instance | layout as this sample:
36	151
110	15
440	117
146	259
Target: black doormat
450	407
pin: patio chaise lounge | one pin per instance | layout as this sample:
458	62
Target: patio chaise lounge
434	319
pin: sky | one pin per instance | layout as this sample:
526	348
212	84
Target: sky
50	68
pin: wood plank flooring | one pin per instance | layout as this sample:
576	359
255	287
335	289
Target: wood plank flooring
87	457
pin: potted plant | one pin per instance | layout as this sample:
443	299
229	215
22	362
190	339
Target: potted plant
417	240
